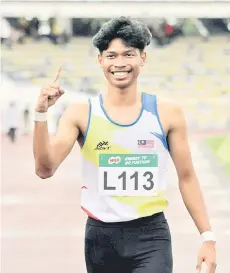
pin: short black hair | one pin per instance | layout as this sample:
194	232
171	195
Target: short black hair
133	33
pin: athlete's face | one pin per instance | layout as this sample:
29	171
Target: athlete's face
121	64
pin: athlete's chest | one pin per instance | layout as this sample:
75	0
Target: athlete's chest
140	137
127	158
123	115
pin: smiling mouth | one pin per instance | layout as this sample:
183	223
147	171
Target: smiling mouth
120	73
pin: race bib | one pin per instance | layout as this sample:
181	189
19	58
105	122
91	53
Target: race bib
128	175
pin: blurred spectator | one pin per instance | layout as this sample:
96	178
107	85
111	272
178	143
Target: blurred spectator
12	120
34	27
6	33
168	29
26	119
22	28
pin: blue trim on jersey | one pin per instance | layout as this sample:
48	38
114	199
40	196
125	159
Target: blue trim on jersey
150	105
162	139
89	118
118	124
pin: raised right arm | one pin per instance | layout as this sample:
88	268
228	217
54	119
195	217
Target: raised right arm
49	152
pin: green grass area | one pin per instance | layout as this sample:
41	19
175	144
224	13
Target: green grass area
220	145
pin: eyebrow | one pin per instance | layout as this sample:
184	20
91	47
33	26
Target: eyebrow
126	51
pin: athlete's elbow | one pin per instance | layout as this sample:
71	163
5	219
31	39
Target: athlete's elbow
187	177
44	173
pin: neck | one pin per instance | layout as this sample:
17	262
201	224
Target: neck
123	97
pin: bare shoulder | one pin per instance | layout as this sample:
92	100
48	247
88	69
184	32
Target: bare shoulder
171	110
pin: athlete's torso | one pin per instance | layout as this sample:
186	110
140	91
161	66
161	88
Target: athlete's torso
124	166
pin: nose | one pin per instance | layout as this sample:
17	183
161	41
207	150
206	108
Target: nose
119	62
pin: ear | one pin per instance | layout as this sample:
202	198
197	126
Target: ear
100	60
143	58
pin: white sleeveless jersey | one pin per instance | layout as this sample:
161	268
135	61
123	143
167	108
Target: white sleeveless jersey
124	166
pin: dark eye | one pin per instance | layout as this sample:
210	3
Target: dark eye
110	56
129	54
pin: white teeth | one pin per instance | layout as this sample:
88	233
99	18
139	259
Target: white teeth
120	73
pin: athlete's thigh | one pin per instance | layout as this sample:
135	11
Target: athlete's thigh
158	262
101	250
153	250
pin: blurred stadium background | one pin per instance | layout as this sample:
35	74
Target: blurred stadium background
188	60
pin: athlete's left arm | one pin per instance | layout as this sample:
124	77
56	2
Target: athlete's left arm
188	183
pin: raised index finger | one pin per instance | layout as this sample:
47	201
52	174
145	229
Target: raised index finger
57	75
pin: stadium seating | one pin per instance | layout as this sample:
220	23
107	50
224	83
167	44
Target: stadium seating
193	71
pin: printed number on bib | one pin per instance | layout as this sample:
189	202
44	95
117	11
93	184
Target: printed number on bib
128	175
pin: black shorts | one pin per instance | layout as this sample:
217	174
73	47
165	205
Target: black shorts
138	246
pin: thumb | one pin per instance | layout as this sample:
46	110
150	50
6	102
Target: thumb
198	265
60	94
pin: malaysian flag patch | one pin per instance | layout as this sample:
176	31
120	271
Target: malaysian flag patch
145	143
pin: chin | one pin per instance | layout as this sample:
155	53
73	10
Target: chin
122	85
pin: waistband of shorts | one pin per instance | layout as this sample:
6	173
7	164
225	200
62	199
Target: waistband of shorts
140	222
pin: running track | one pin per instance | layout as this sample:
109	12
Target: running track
43	226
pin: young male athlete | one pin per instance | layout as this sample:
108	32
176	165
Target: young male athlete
126	137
